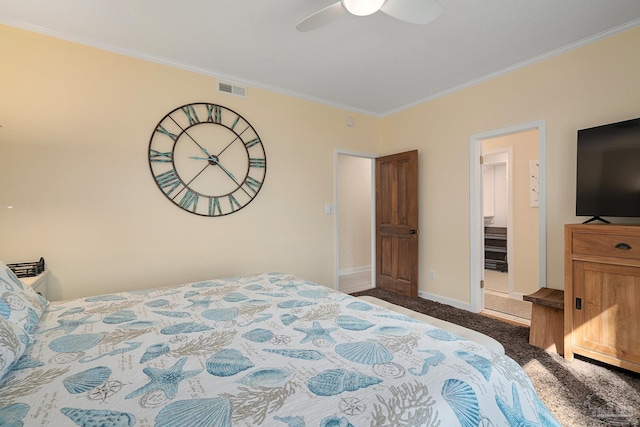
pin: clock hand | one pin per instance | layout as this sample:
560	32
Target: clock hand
228	173
190	137
205	151
233	178
214	160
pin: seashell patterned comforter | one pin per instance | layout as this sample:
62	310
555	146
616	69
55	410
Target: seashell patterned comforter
269	349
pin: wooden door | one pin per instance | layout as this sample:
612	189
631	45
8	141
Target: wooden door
397	223
606	318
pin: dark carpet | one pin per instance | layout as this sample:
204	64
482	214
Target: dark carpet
579	393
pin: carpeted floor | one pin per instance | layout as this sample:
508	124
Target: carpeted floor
579	393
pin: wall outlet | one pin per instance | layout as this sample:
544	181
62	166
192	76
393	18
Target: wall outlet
432	274
347	255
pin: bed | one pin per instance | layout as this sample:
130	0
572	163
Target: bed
267	349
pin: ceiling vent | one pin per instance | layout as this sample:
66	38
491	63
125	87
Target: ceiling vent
232	89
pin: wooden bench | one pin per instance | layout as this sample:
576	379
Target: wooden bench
547	319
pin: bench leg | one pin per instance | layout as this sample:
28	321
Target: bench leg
547	328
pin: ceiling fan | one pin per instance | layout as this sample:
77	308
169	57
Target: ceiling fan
412	11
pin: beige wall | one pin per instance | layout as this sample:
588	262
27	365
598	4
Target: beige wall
76	123
588	86
73	159
354	212
524	257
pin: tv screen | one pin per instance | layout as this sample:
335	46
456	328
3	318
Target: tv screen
608	179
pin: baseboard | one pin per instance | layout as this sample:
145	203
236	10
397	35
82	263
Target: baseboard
512	295
448	301
354	270
516	295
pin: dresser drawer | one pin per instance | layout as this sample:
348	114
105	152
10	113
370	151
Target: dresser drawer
606	245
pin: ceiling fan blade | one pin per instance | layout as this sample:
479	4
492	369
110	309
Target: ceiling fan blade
413	11
321	17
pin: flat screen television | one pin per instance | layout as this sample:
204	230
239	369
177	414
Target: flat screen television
608	179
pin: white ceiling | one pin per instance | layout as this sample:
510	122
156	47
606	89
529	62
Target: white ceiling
373	64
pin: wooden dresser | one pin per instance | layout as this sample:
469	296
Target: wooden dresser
602	293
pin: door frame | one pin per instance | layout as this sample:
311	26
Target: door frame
336	225
476	222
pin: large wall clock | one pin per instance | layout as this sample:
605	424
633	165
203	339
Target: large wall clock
207	159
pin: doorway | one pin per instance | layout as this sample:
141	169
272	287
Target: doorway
354	223
497	210
510	217
517	267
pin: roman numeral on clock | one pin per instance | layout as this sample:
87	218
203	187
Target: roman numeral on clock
253	142
252	184
190	112
189	201
214	206
233	202
214	113
257	163
162	130
168	181
158	156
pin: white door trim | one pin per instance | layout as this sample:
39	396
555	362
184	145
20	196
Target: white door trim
475	205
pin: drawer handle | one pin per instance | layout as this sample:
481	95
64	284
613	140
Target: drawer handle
623	246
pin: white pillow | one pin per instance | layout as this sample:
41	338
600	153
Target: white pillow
19	304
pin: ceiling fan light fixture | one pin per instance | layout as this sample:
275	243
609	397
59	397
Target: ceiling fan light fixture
362	7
